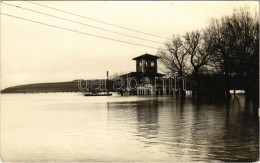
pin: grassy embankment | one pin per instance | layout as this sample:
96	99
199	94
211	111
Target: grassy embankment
71	86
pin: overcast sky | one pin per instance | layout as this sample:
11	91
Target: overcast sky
34	53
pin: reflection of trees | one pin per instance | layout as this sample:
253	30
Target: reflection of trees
207	122
194	128
175	122
234	138
241	136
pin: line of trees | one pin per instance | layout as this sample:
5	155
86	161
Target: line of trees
228	46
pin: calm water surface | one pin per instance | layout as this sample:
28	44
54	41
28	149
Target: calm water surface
71	127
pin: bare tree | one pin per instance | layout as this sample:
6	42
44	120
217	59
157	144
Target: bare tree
173	57
236	41
228	46
243	28
200	49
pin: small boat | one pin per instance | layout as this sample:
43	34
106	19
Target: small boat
96	93
99	93
88	94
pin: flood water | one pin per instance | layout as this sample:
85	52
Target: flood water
70	127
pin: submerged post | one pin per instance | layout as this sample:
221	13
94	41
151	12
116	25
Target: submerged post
107	84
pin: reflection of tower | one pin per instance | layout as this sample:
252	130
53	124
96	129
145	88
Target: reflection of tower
147	118
146	63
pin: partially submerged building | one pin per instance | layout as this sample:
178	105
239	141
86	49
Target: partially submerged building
146	80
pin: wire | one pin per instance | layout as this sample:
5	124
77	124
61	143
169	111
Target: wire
76	31
80	23
96	20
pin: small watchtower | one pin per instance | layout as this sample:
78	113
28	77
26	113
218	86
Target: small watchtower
146	63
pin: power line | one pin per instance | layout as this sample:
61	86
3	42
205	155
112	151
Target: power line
76	31
80	23
103	22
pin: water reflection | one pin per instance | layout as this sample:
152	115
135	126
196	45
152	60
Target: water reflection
147	118
230	133
199	128
152	128
241	125
145	113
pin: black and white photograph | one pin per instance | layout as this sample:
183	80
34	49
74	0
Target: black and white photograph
129	81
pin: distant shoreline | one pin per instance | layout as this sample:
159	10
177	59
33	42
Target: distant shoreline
57	87
69	86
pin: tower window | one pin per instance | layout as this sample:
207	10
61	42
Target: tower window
140	63
152	64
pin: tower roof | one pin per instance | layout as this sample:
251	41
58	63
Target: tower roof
146	56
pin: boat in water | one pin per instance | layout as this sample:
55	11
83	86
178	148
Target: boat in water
97	94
